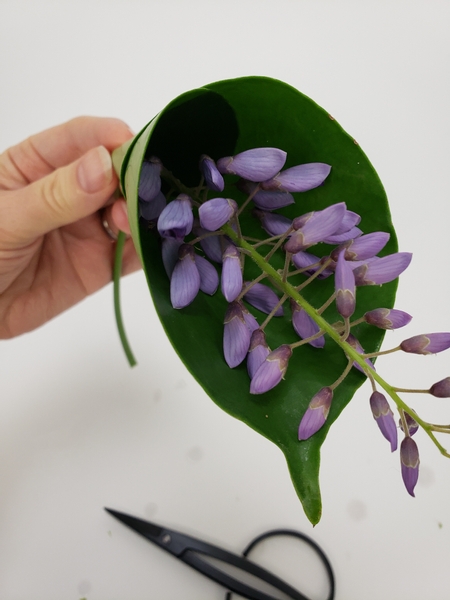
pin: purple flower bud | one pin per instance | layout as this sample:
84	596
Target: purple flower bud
300	178
429	343
149	179
216	212
263	298
211	173
150	211
231	282
271	371
387	318
354	343
316	414
441	389
345	287
273	223
382	270
250	320
304	259
257	352
209	279
169	251
384	417
266	200
413	426
236	335
409	459
211	245
255	165
339	238
363	247
185	281
176	219
317	227
304	326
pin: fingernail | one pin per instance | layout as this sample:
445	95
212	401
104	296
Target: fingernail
94	170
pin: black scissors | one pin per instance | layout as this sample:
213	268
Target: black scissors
198	554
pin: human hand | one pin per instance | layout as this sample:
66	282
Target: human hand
54	250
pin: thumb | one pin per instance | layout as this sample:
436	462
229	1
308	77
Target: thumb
68	194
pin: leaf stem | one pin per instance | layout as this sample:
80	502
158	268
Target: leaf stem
117	270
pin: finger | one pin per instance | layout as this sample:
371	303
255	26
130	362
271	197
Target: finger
65	196
40	154
119	217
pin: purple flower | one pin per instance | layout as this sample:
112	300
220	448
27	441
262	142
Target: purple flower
354	343
149	179
250	320
216	212
209	279
316	414
409	459
231	281
263	298
185	281
363	247
255	165
176	219
384	417
150	211
266	200
304	259
300	178
345	287
411	423
236	335
257	352
315	227
382	270
429	343
273	223
387	318
441	389
304	326
271	371
211	244
169	251
211	173
338	238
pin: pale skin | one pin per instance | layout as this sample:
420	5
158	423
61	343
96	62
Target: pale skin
54	250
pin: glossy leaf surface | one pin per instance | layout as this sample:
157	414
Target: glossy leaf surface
222	119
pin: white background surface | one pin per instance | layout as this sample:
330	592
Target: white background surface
79	430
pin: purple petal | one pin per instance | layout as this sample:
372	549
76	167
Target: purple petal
266	200
271	371
409	459
236	336
255	165
149	179
349	221
176	219
411	423
316	414
257	353
211	244
169	251
273	223
211	173
250	320
300	178
345	287
339	238
185	281
304	326
365	246
320	225
382	270
150	211
231	281
209	279
263	298
429	343
384	417
216	212
387	318
304	259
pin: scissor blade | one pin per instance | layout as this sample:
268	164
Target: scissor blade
145	528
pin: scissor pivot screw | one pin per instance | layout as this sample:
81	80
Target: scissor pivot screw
166	539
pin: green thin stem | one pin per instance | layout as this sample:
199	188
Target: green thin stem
117	271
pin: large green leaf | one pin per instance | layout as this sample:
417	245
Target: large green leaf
222	119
